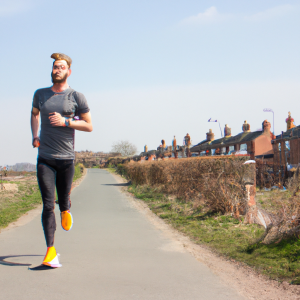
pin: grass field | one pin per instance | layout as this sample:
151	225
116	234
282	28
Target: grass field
14	203
226	235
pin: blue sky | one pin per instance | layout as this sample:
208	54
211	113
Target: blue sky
151	69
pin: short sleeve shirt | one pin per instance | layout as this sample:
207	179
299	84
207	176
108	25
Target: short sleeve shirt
57	142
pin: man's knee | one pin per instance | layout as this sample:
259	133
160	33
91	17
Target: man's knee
48	207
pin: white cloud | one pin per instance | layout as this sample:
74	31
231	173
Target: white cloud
11	7
271	13
211	15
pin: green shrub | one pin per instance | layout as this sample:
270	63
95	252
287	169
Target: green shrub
120	169
78	171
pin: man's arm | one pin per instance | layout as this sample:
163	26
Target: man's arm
35	118
84	124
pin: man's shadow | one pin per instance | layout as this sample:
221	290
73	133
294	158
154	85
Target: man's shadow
4	262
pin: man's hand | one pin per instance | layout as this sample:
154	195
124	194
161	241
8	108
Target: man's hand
56	119
36	142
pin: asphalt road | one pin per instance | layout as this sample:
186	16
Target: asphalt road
112	252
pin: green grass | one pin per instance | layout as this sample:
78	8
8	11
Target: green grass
78	172
111	169
226	235
13	206
272	200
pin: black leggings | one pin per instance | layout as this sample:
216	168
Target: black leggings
50	173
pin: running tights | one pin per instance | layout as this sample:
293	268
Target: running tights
51	173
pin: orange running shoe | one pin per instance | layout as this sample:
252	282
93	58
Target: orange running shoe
51	258
66	220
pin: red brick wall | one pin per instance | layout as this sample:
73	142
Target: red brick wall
263	145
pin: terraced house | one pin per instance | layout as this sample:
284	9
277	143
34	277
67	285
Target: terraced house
257	144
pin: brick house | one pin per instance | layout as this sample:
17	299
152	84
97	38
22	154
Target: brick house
257	143
286	146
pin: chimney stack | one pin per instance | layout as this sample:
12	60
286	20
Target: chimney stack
246	127
266	126
210	136
227	131
187	139
289	122
174	143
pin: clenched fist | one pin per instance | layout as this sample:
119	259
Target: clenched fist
56	119
36	142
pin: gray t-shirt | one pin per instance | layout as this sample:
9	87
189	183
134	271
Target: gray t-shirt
58	142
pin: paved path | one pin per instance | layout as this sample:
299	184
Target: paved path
112	252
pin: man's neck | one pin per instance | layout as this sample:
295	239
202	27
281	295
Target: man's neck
59	87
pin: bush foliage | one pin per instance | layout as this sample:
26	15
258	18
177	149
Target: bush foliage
220	182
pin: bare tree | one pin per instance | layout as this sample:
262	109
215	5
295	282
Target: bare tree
124	147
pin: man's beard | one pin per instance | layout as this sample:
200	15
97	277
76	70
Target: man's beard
55	80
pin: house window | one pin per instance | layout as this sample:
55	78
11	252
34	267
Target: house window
243	147
231	149
287	145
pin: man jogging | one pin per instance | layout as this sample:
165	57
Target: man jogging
57	106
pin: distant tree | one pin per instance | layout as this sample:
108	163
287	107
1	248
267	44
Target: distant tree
124	147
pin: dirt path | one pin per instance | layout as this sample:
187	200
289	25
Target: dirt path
234	274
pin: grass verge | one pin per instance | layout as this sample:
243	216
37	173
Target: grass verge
111	169
14	204
78	171
225	235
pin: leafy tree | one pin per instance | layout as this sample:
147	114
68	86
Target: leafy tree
124	147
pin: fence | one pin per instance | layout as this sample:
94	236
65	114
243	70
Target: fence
270	174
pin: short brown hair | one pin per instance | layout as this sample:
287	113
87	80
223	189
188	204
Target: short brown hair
61	56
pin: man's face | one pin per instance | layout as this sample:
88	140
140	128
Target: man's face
60	71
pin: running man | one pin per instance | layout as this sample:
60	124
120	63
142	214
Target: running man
57	106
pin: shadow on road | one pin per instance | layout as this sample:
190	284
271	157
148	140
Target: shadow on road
118	184
41	268
12	264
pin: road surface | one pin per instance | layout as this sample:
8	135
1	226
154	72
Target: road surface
113	252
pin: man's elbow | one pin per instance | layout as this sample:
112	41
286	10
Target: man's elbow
90	129
35	112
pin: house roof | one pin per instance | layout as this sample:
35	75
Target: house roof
241	138
290	134
198	145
